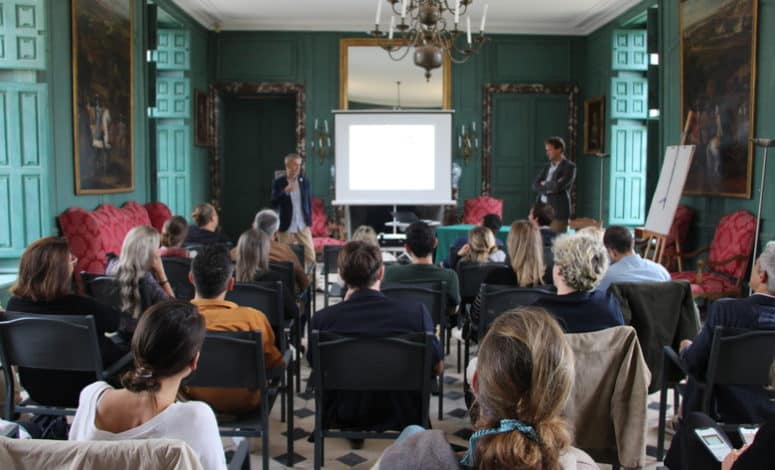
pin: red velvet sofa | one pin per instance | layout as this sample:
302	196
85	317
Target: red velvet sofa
94	234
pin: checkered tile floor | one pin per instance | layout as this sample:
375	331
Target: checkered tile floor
339	455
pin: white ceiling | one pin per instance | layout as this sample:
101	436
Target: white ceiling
556	17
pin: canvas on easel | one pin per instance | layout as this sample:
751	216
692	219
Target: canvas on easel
675	168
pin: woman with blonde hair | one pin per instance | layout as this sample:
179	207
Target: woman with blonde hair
139	261
205	231
253	266
523	378
580	262
481	247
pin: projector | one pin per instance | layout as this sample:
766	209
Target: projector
391	239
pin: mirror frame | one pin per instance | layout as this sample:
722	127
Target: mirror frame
346	43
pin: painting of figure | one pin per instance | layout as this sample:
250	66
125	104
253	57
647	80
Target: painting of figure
718	71
102	96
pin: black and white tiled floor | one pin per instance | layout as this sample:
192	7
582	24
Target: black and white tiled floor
339	455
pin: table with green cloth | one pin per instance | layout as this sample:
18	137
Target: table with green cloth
447	234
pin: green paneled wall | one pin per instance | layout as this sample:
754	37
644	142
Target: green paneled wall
312	58
59	79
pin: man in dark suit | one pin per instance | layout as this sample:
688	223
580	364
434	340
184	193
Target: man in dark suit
291	199
734	404
367	312
555	181
541	216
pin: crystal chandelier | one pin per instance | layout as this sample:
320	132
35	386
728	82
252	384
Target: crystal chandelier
424	28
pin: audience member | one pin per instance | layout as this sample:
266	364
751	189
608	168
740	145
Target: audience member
166	349
626	265
211	273
365	233
694	454
524	375
205	229
173	234
555	181
44	286
291	199
736	403
420	244
267	221
367	312
139	261
481	248
580	262
491	221
253	266
541	216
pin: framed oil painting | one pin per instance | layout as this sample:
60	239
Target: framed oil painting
102	96
202	125
594	125
718	76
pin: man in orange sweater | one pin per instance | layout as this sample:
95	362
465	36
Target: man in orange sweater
211	273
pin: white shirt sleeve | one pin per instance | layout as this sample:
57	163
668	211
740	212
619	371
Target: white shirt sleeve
203	436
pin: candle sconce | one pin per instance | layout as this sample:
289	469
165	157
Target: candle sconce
468	141
320	143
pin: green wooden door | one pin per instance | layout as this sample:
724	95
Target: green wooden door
629	96
173	153
256	135
627	193
630	50
173	50
22	34
520	125
24	160
173	98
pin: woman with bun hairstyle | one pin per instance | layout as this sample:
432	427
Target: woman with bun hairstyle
481	247
524	375
165	348
173	234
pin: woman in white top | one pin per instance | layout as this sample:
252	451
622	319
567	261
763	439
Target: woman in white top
166	348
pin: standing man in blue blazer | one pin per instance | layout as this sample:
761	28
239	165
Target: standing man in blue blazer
291	199
555	181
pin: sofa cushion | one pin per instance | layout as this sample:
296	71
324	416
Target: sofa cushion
158	212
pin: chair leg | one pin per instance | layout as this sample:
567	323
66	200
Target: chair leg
676	400
465	360
265	448
441	396
289	437
662	419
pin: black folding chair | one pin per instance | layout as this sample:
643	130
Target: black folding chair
236	360
730	348
432	294
53	342
362	364
286	269
269	299
330	258
177	270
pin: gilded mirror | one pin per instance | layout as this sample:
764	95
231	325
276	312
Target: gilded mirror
368	78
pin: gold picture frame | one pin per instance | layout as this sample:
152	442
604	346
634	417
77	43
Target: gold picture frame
594	125
103	96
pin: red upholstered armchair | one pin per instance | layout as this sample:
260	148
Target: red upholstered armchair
320	227
475	209
728	256
676	239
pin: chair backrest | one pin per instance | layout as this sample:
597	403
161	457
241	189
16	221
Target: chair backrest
231	359
105	289
330	257
432	294
177	270
734	236
732	347
472	275
58	342
476	208
298	250
286	269
497	299
395	363
266	296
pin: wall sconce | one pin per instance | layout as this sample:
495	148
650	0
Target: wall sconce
467	141
320	144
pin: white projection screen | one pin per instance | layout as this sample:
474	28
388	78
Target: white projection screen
393	157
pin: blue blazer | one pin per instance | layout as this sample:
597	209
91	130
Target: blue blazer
281	201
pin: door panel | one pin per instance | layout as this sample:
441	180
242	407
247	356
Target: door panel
628	174
173	147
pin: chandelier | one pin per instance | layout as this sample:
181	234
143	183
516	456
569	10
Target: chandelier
424	28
